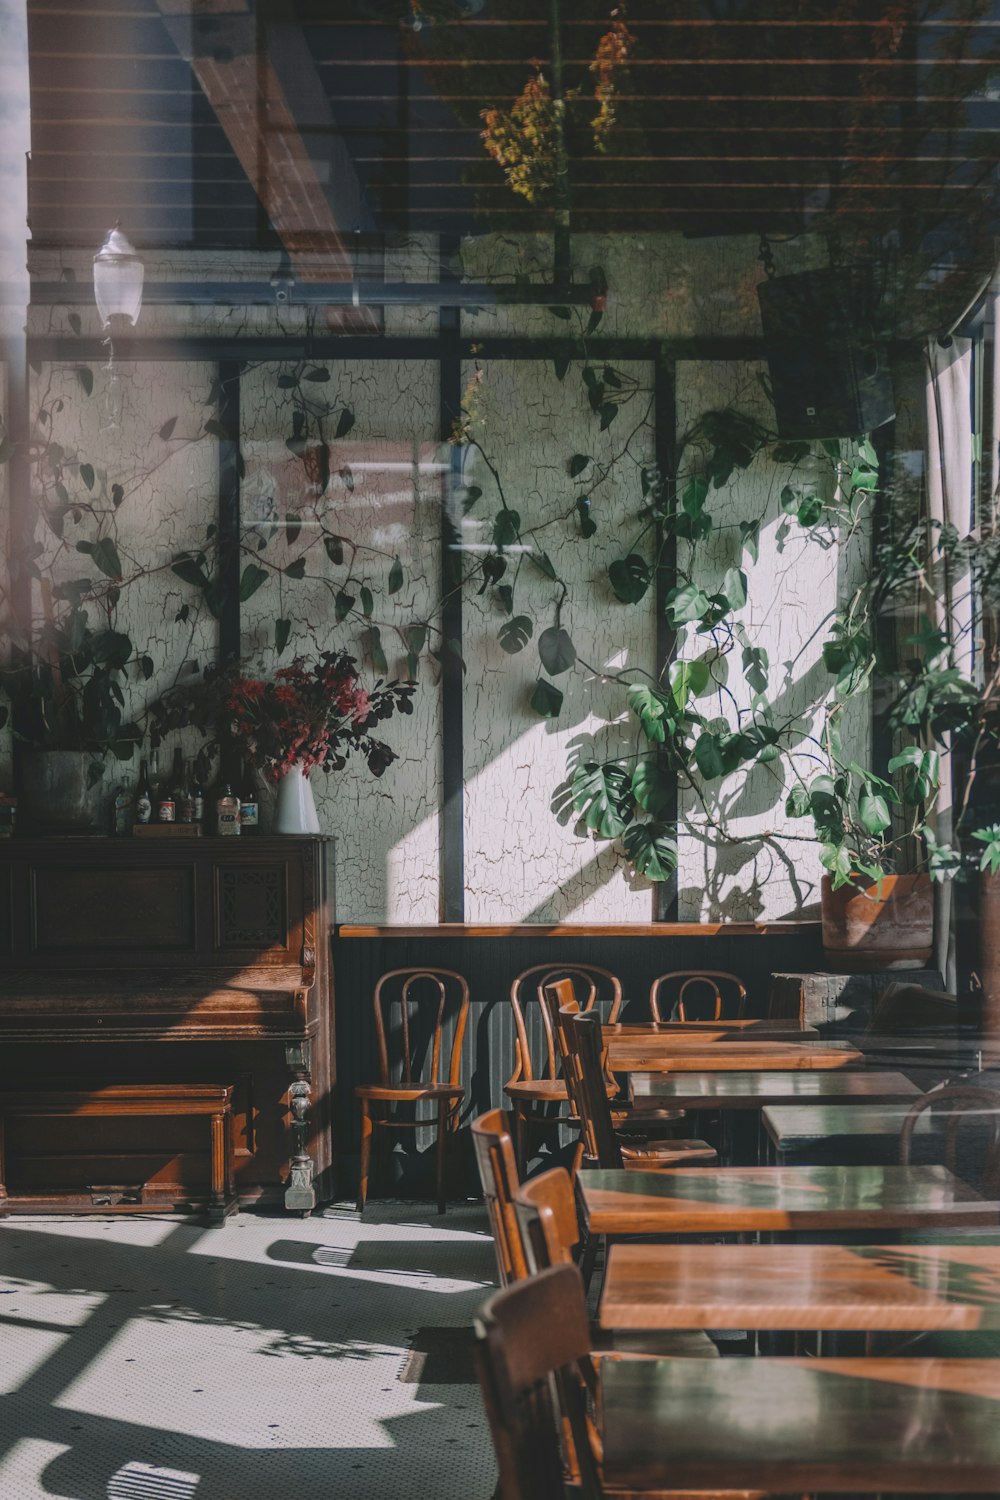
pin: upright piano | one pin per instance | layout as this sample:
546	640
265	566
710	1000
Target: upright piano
173	960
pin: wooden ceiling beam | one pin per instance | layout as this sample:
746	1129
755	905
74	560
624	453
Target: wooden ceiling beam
218	38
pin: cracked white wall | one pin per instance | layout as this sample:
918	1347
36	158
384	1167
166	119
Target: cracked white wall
169	489
385	495
521	863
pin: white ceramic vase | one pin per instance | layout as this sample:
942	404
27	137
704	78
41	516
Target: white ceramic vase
295	810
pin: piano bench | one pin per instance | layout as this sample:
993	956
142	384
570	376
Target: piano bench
211	1101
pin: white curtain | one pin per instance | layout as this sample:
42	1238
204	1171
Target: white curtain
950	501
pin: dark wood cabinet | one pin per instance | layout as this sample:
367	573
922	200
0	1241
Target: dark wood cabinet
170	961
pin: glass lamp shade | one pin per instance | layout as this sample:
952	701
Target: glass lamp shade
118	274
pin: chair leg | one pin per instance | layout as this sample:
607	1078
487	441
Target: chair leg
520	1140
588	1259
367	1127
442	1147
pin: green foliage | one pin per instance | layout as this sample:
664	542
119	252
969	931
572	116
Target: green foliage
990	839
602	794
652	849
546	699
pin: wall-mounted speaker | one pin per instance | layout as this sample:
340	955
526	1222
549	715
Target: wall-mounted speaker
830	375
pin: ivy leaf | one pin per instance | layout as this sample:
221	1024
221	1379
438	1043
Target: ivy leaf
282	630
343	603
117	495
395	576
750	538
73	320
86	378
189	571
630	578
556	650
652	849
87	475
694	496
296	569
755	664
293	527
810	511
493	567
798	803
546	700
686	604
687	680
472	494
318	375
561	366
251	579
602	793
345	422
608	410
505	594
367	603
789	501
146	667
654	711
288	382
543	563
167	430
577	464
588	526
708	757
734	588
515	634
416	637
105	555
373	645
506	527
653	788
873	811
334	548
560	312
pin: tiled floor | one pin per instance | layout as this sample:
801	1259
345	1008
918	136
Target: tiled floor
150	1359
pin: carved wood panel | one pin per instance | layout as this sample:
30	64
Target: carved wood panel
252	907
86	906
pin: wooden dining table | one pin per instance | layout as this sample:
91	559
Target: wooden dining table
789	1426
672	1054
737	1200
753	1089
779	1030
914	1288
837	1132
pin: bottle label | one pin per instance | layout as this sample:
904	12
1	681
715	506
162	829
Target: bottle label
166	810
187	810
249	814
143	808
228	821
199	809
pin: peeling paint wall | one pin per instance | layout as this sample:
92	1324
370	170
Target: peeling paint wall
524	858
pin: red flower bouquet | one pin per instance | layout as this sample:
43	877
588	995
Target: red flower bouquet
313	716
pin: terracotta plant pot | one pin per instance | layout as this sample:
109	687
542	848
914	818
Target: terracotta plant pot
865	928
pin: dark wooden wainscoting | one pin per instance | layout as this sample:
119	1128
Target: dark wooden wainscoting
490	958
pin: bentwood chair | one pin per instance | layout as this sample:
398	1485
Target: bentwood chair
412	1007
494	1149
603	1147
536	1089
713	993
533	1360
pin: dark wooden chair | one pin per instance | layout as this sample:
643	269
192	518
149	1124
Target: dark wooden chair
722	995
960	1104
535	1373
420	1031
602	1144
545	1210
536	1088
494	1148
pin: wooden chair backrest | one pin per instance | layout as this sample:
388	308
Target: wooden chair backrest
724	992
530	985
546	1216
964	1103
532	1339
560	1001
425	998
494	1148
587	1063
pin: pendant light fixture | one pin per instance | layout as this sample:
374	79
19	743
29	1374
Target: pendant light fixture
118	273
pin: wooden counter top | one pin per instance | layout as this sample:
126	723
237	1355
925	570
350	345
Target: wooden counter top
584	930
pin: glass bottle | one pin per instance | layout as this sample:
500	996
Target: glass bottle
249	805
143	796
227	811
186	805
